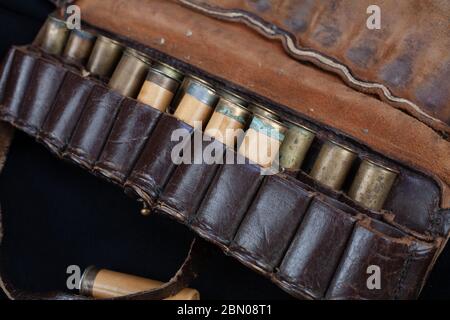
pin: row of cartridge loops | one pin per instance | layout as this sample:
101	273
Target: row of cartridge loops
266	140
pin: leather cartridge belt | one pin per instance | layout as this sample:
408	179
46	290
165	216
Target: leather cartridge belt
309	207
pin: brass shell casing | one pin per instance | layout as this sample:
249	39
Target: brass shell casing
262	140
183	87
228	121
79	46
53	36
160	86
372	184
130	73
232	97
197	104
169	71
259	109
104	57
295	146
107	284
333	164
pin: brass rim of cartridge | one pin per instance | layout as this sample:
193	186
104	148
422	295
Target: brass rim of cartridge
57	19
53	43
87	281
237	110
83	34
233	97
292	159
109	40
361	190
277	125
209	97
259	109
188	77
333	179
185	82
138	55
235	102
267	115
162	80
380	165
343	146
71	52
294	124
168	71
194	78
106	54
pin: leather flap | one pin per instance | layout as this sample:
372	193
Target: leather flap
222	49
409	53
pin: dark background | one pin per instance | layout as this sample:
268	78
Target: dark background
59	214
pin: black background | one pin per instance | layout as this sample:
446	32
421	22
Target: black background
34	182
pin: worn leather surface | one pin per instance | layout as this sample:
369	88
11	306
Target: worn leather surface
154	165
45	83
271	221
131	129
188	185
228	198
396	254
94	126
15	88
409	54
318	245
174	29
67	109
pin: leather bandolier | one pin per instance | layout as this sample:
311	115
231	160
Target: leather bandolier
376	93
